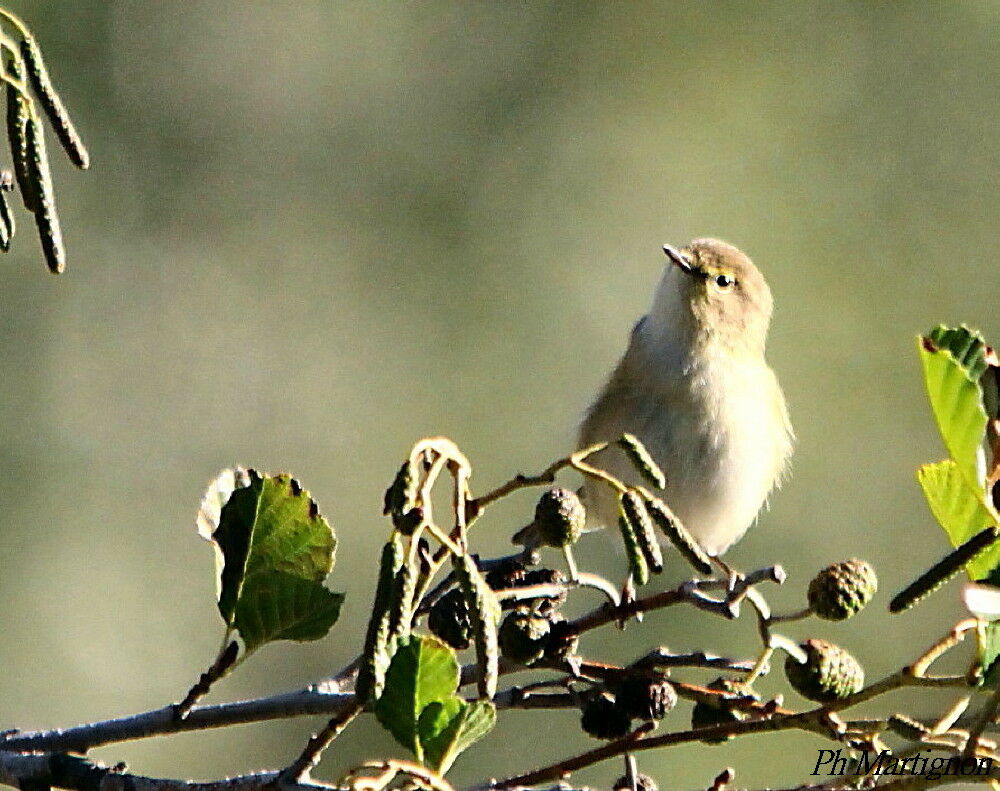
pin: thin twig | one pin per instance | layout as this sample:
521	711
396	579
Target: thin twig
310	756
47	770
688	593
223	663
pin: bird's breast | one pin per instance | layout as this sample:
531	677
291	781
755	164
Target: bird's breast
719	432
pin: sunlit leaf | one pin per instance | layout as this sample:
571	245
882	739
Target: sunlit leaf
959	509
423	671
273	551
953	362
451	727
279	606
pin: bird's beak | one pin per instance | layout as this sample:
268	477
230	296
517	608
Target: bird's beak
678	258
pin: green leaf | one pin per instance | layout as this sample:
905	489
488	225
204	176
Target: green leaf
423	671
953	362
434	720
447	729
273	551
279	606
989	652
959	509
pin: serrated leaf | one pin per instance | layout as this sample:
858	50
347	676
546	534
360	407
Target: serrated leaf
423	671
280	606
273	551
953	362
451	729
959	509
271	524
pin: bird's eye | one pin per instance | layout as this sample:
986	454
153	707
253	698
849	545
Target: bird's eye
724	281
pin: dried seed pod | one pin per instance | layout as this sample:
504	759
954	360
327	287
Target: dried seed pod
6	223
646	696
638	569
46	218
523	637
38	76
642	783
559	517
602	718
707	715
485	614
544	576
828	674
642	460
682	540
563	642
510	574
942	571
449	620
842	589
18	113
377	653
635	509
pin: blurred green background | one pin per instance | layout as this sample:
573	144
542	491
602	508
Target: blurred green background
314	232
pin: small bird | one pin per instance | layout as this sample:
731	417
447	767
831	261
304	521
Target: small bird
694	387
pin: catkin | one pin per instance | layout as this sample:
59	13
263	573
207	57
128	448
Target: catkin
404	585
18	113
484	612
375	661
38	76
942	571
636	560
635	509
907	727
45	213
672	528
642	460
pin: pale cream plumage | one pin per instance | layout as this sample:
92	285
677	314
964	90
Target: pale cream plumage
695	388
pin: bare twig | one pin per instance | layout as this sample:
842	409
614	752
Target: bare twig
310	756
222	665
689	593
47	770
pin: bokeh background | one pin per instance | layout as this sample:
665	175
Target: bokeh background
314	232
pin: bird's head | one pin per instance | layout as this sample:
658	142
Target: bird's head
714	290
